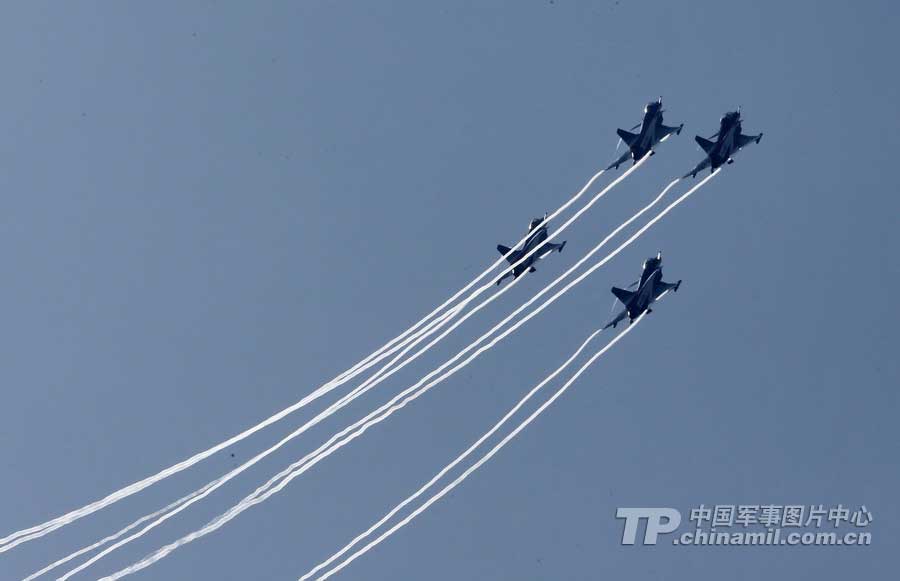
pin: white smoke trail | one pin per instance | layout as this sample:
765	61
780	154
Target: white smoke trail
103	541
449	467
14	539
202	493
197	495
473	467
372	381
159	512
264	492
453	464
412	340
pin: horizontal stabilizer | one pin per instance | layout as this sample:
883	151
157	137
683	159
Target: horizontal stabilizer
620	317
627	137
620	161
706	144
622	294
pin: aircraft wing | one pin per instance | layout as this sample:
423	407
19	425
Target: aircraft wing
706	144
626	136
617	319
743	140
513	257
622	294
665	131
664	287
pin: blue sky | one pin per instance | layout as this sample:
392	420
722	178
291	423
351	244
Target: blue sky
210	210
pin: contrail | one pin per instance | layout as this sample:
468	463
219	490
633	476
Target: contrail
494	429
202	493
474	466
453	464
264	492
25	535
377	377
414	339
103	541
370	383
14	539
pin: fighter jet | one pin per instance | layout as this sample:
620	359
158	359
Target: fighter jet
649	288
538	233
730	141
652	132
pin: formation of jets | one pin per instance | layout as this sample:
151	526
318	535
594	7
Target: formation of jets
729	139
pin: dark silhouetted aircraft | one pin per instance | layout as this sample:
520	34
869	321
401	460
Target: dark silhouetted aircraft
730	141
538	233
649	288
652	132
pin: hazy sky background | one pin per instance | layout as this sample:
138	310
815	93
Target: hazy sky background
209	209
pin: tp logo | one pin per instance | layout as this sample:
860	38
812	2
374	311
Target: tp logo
655	523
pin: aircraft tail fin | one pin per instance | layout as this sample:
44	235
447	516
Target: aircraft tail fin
628	137
706	144
622	294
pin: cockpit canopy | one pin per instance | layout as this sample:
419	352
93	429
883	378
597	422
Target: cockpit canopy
652	262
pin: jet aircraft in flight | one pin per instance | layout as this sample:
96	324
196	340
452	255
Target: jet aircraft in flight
649	288
652	132
537	234
729	140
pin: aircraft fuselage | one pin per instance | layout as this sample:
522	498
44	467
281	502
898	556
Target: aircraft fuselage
534	240
646	291
649	130
727	143
649	288
652	132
